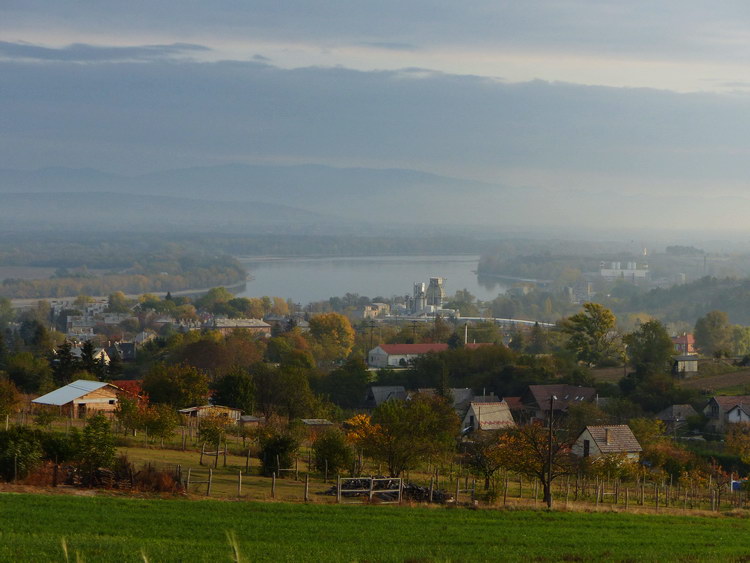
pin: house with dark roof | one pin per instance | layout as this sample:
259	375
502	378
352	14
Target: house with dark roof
675	417
718	408
596	441
399	355
536	400
487	416
379	394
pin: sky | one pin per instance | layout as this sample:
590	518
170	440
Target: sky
634	98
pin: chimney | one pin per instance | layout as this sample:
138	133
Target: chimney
607	436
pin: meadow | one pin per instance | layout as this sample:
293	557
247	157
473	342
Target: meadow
104	528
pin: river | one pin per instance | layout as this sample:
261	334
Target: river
317	279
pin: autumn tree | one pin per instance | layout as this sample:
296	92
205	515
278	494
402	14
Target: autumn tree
527	450
483	455
97	446
592	336
333	335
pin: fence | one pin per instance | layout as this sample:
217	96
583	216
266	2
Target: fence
361	486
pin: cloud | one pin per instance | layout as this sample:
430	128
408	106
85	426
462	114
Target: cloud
79	52
131	117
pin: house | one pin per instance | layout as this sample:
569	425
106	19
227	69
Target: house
100	354
399	355
232	414
684	344
487	416
81	398
379	394
685	365
254	326
717	410
536	400
596	441
675	417
460	398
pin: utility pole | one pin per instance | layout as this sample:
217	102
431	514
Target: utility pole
549	453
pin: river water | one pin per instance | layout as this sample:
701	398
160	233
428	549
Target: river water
317	279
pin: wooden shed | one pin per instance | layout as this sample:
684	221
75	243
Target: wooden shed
81	398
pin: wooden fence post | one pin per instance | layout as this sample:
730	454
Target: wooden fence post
225	453
338	488
307	487
239	483
432	482
505	490
210	480
458	483
187	483
273	485
203	449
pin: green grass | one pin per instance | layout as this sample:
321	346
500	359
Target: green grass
121	529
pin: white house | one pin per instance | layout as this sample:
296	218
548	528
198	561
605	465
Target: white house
399	355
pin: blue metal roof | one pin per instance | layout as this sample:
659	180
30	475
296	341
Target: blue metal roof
70	392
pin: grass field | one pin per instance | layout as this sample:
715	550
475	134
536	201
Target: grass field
724	383
101	528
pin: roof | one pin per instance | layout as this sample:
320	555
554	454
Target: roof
188	410
726	402
248	418
316	422
677	412
70	392
492	416
565	395
621	439
407	349
460	397
380	393
475	345
514	403
240	323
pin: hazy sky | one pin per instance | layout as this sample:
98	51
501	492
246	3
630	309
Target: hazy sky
638	97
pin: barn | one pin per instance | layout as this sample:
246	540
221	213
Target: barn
81	398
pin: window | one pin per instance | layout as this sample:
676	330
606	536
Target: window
586	448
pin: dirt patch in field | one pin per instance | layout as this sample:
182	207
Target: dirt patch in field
718	382
608	375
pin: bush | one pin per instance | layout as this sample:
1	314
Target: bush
331	446
282	447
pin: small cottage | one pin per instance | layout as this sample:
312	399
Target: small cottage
596	441
487	416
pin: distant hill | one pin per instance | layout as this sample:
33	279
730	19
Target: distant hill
378	199
121	211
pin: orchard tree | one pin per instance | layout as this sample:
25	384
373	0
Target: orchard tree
527	450
97	446
649	348
483	455
10	398
404	433
713	335
591	332
332	452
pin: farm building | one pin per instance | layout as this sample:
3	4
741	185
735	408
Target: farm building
81	398
596	441
213	410
399	355
487	416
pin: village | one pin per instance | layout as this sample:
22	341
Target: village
412	405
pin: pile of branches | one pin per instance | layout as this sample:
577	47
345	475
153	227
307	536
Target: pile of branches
411	492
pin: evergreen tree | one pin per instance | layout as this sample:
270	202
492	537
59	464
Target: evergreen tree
63	364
